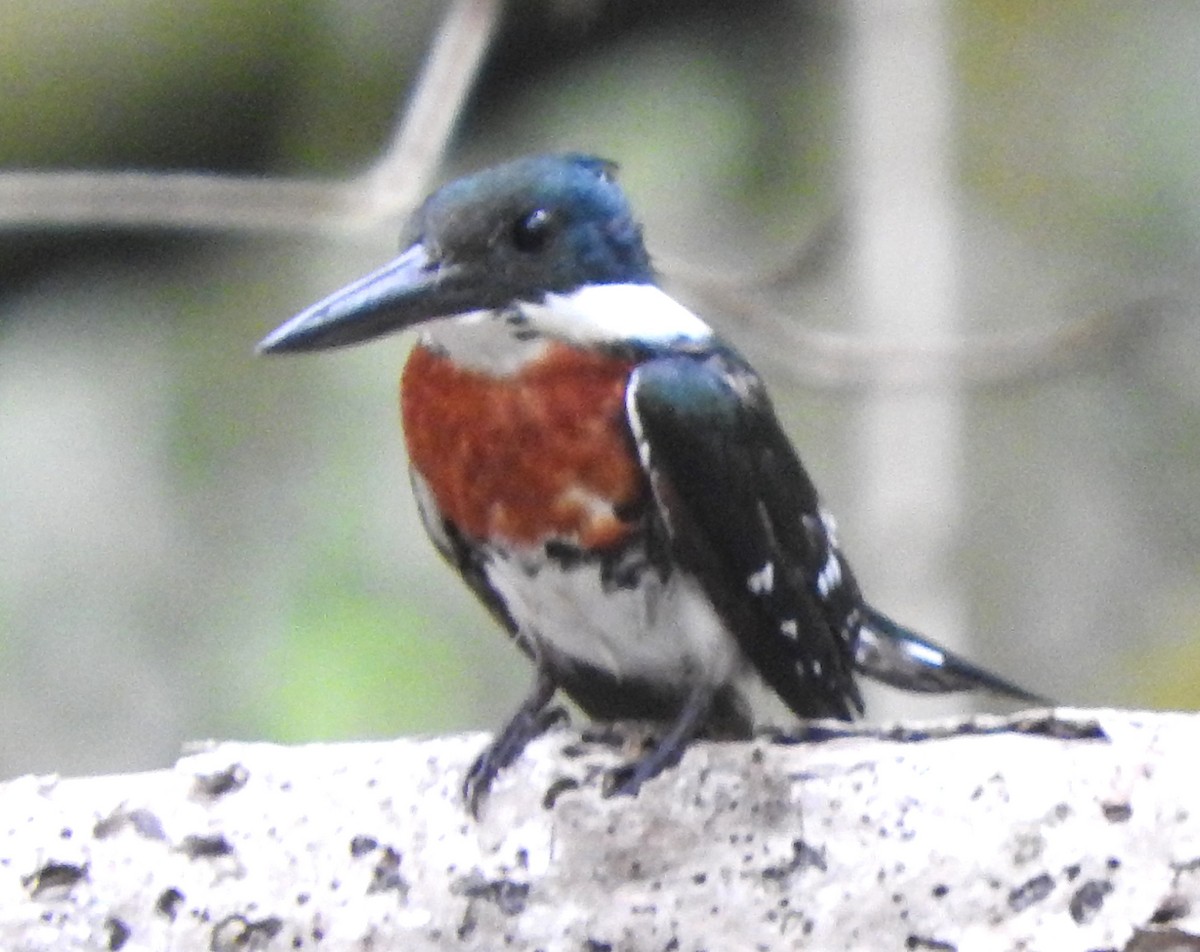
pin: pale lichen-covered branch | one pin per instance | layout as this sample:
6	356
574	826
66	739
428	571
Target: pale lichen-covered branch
1071	831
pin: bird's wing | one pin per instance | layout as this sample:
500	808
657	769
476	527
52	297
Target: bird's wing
742	515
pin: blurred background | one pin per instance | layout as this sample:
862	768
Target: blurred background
958	238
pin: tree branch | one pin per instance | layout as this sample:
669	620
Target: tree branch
252	204
1069	831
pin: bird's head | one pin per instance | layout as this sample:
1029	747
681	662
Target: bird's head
534	236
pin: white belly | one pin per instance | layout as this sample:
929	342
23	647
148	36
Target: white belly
662	631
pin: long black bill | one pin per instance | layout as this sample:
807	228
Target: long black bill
412	289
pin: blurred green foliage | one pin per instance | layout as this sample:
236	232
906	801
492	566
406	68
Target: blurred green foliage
354	666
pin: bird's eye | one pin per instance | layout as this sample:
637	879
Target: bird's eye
531	231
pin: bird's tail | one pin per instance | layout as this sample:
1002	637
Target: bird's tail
897	656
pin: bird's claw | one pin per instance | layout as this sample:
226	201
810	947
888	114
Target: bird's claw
622	781
507	746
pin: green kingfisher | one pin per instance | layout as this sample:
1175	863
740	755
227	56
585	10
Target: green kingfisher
609	477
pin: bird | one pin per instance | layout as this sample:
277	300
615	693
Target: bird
609	477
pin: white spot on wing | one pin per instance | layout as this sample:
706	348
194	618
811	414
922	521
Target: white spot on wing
830	576
605	313
762	582
830	526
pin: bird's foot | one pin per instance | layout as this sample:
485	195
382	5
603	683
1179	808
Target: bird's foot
627	780
529	723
